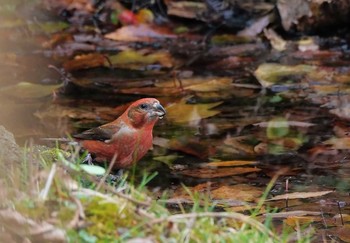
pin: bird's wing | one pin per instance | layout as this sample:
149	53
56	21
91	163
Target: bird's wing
102	133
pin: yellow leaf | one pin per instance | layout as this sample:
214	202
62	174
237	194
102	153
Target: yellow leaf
338	143
134	57
183	113
26	90
270	73
215	84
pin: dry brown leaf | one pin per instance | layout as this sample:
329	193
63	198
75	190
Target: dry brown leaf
141	32
240	192
343	233
214	84
297	221
151	91
296	195
198	148
86	61
338	143
229	163
220	172
297	213
186	9
246	207
240	144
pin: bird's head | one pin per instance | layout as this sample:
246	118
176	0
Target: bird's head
145	112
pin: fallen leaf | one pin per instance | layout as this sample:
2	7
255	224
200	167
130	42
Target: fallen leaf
214	84
270	73
242	192
307	44
186	9
284	123
141	32
343	233
338	143
228	163
277	128
297	221
198	148
128	57
26	90
246	207
217	173
296	195
184	113
276	41
85	61
257	27
297	213
241	144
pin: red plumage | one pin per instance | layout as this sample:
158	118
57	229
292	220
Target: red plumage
128	138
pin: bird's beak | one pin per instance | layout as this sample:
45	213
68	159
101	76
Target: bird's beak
159	110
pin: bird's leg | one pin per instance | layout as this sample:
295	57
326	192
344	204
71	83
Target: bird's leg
120	173
116	178
88	159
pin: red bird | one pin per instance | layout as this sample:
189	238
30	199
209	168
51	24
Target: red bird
128	138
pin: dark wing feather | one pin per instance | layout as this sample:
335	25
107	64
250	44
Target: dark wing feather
102	133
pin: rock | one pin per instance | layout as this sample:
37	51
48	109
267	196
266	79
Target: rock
10	152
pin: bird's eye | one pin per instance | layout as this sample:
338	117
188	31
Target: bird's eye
143	106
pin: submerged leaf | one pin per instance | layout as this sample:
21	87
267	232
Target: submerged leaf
220	172
134	57
26	90
270	73
229	163
241	192
183	113
338	143
277	128
215	84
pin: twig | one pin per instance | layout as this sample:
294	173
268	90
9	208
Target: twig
110	167
79	213
323	219
287	190
43	194
341	215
